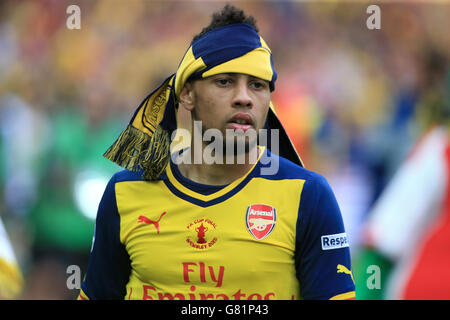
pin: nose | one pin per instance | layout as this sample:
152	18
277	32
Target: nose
242	97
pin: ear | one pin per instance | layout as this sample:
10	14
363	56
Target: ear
187	96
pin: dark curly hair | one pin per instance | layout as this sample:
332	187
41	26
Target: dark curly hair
228	15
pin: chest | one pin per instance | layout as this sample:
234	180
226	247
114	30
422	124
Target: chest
246	242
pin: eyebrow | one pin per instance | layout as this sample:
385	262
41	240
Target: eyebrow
235	74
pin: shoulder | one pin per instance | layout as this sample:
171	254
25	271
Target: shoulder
283	168
127	175
130	176
109	194
317	199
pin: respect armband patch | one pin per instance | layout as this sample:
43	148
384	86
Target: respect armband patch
334	241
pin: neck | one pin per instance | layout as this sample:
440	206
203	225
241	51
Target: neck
217	173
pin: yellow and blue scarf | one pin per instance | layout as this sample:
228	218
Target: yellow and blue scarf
236	48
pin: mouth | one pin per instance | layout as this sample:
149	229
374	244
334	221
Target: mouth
242	121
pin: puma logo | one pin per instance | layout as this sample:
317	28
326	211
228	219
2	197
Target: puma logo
343	269
149	221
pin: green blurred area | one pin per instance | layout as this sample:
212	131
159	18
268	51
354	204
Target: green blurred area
56	219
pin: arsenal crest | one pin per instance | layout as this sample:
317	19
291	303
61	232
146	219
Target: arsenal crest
260	220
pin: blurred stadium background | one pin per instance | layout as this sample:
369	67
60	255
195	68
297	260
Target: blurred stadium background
352	99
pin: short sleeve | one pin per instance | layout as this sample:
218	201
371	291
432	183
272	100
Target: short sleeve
322	258
109	264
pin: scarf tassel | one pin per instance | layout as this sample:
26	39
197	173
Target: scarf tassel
135	150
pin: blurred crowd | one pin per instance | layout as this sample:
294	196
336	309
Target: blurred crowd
353	100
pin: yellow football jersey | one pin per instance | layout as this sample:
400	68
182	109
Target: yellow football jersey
262	237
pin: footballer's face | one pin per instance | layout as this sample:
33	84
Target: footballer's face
228	101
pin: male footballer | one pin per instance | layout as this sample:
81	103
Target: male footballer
198	224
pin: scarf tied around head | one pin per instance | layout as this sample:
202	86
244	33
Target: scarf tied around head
237	48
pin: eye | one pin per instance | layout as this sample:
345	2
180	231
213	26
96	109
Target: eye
223	81
258	85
